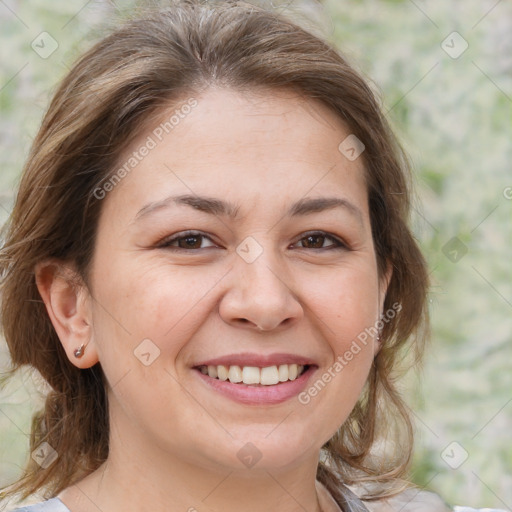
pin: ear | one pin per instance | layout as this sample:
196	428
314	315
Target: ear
69	307
384	281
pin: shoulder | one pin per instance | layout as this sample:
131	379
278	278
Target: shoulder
416	500
469	509
410	500
53	505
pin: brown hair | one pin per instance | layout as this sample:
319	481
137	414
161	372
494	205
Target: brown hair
113	90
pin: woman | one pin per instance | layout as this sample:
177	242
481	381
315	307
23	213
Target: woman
209	262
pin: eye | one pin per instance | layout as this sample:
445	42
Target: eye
316	240
187	240
194	240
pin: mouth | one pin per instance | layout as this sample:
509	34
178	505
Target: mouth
253	375
255	380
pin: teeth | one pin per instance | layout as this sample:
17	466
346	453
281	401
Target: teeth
283	373
267	376
234	374
251	375
222	372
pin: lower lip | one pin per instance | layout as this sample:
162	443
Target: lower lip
259	395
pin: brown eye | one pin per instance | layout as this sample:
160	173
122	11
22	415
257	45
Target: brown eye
317	241
186	241
314	241
190	242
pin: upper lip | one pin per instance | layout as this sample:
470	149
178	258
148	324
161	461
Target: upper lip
258	360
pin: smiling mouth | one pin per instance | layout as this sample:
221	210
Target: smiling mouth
253	375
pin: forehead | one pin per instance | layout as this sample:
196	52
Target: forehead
251	146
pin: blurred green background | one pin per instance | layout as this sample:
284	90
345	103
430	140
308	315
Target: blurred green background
449	97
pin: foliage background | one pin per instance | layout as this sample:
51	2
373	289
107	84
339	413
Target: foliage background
453	115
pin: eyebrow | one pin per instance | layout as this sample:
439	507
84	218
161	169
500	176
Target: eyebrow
219	207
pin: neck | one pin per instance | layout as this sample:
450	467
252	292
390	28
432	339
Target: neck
150	479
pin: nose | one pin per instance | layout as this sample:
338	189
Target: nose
259	296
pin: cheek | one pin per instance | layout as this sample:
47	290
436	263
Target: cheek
144	322
336	387
149	301
347	308
347	302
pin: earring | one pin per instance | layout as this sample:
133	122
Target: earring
79	352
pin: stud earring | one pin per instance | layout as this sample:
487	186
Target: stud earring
79	352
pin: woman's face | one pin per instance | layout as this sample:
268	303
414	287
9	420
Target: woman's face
241	239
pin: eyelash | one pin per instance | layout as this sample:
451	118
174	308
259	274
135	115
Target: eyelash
166	242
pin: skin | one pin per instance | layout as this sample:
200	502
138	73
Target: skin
174	441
